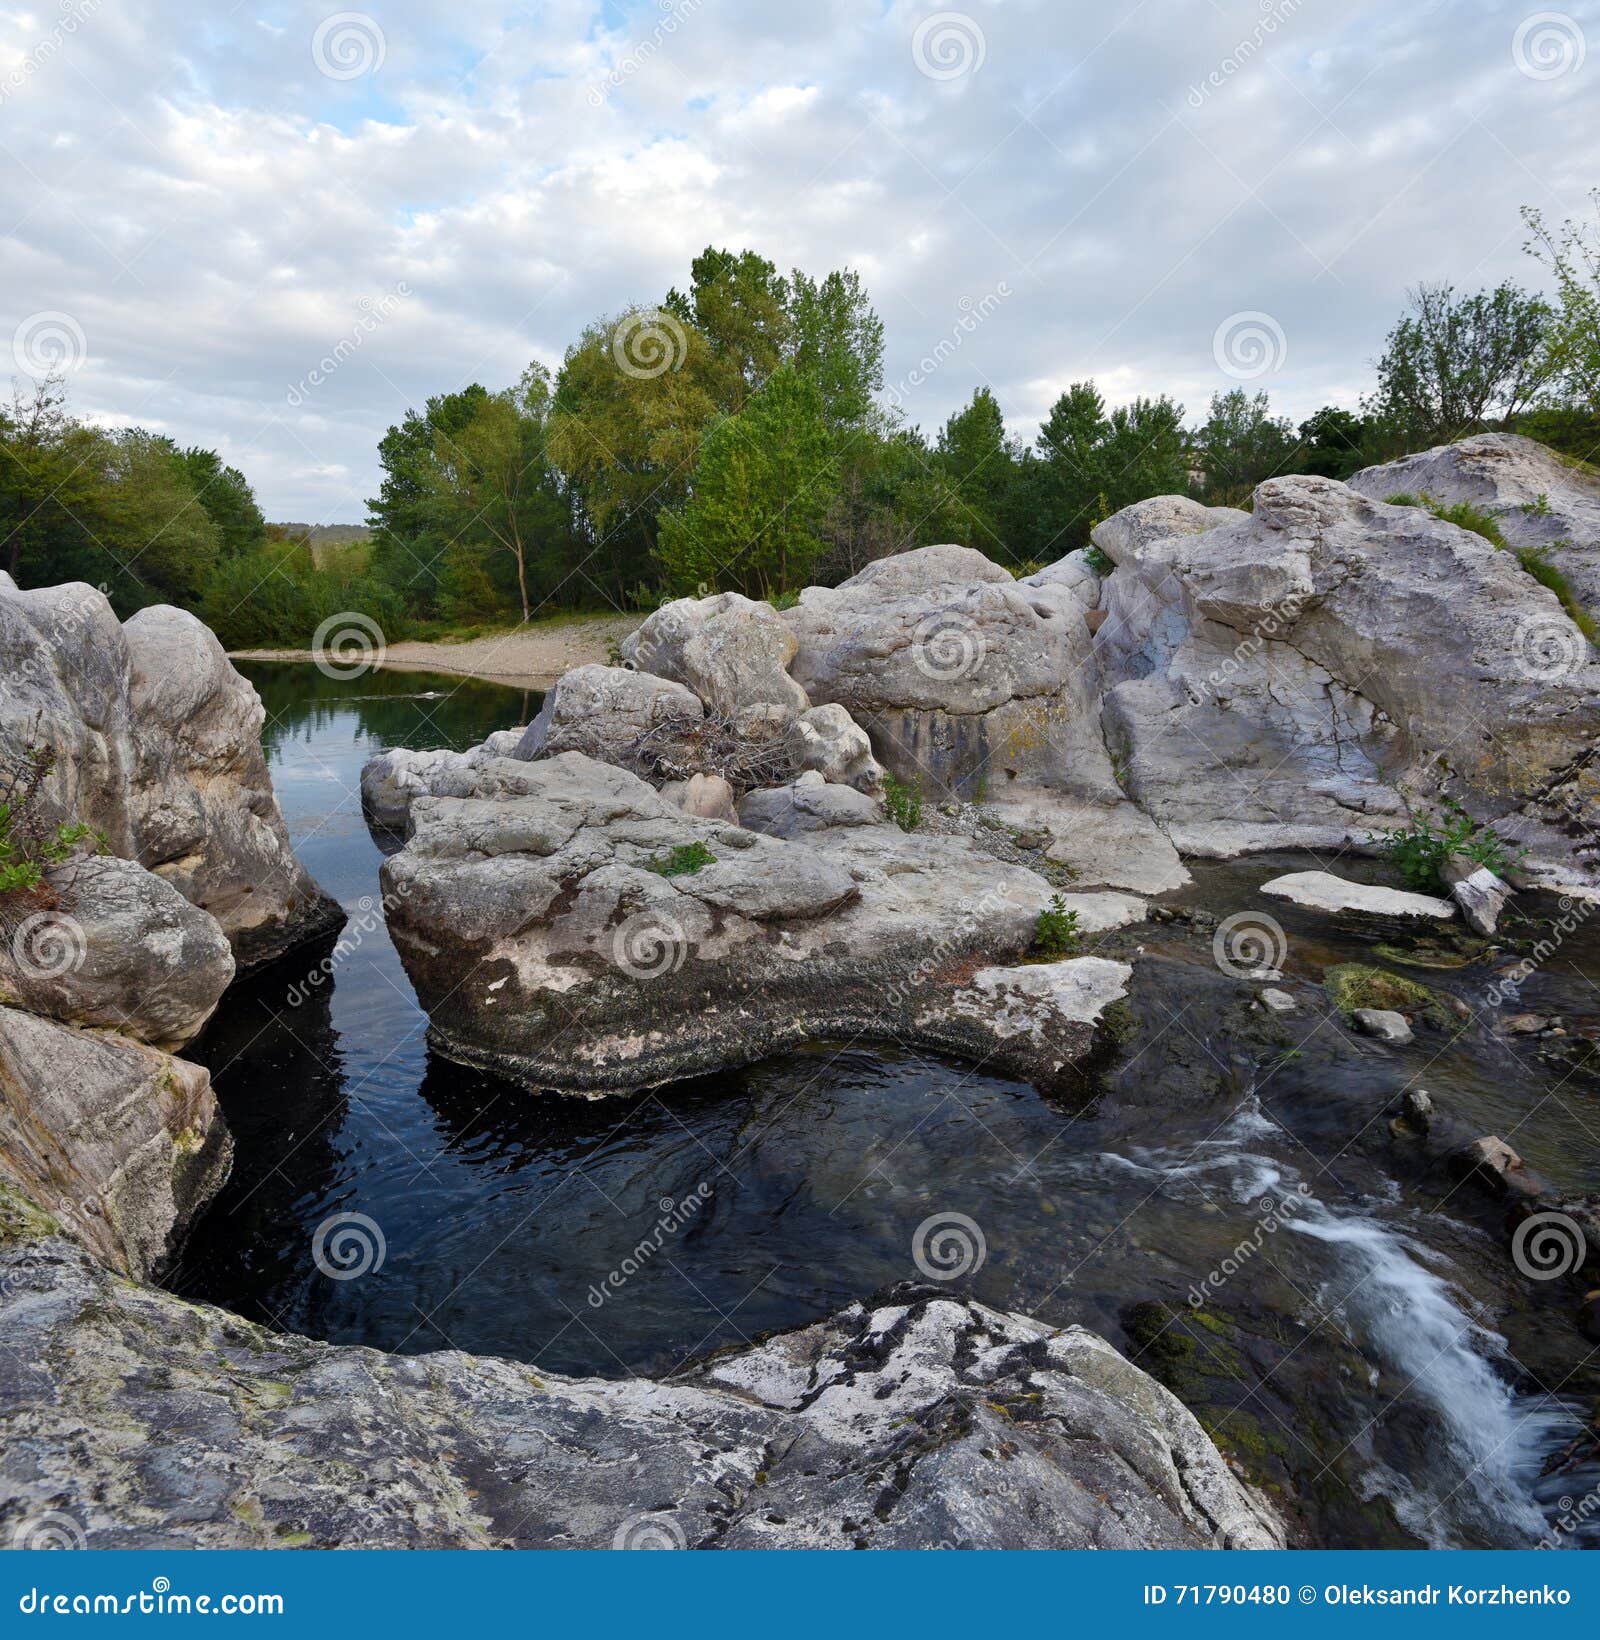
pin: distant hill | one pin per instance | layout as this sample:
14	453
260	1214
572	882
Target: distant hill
330	541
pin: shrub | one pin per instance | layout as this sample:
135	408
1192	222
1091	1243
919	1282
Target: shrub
685	858
903	800
1056	933
1097	560
1420	851
29	845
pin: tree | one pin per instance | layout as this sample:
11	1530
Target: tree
1453	363
979	464
763	484
740	304
1333	443
1572	255
1241	443
226	495
838	341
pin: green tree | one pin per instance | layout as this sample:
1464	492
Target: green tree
740	304
838	341
1571	253
978	462
227	497
763	485
1333	443
1241	443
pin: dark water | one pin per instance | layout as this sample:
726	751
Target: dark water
1370	1354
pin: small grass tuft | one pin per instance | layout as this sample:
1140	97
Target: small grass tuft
684	859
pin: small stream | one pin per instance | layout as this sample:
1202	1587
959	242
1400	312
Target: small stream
1228	1202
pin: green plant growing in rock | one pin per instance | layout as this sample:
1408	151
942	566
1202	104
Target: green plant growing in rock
1056	933
29	845
684	859
1098	560
903	800
1420	851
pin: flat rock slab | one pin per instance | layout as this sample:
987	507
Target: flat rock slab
1322	891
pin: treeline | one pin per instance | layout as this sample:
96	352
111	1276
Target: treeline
735	436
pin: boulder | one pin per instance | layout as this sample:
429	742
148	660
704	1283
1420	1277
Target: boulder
1537	498
121	1143
554	934
707	797
808	804
156	741
729	650
603	710
1480	894
1384	1024
994	1431
118	948
963	678
1337	896
828	741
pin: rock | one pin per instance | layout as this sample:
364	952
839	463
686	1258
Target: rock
1478	891
1417	1107
393	780
829	741
732	652
1102	843
1537	498
1047	1003
1523	1024
545	940
1073	574
603	710
1276	1001
1279	680
1503	1168
121	1143
1322	891
1385	1025
808	805
708	797
997	1431
962	677
122	949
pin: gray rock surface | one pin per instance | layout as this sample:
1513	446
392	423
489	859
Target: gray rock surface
602	711
121	949
1338	896
732	652
826	740
1479	893
120	1142
1384	1024
917	1422
1538	498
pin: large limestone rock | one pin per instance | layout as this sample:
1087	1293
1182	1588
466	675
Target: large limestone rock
729	650
555	933
120	1142
1297	676
962	677
603	710
828	741
1538	498
916	1422
157	744
119	948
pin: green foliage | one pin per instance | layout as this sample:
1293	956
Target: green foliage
1056	933
903	800
682	860
1353	985
1571	255
1100	562
1468	517
1240	444
1420	851
30	845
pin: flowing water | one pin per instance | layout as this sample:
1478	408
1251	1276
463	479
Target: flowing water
1227	1201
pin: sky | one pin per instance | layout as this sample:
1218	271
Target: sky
271	229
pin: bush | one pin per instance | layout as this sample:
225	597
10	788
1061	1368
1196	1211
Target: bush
29	845
903	800
1420	852
1056	934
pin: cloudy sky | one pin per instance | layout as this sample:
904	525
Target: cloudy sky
200	203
